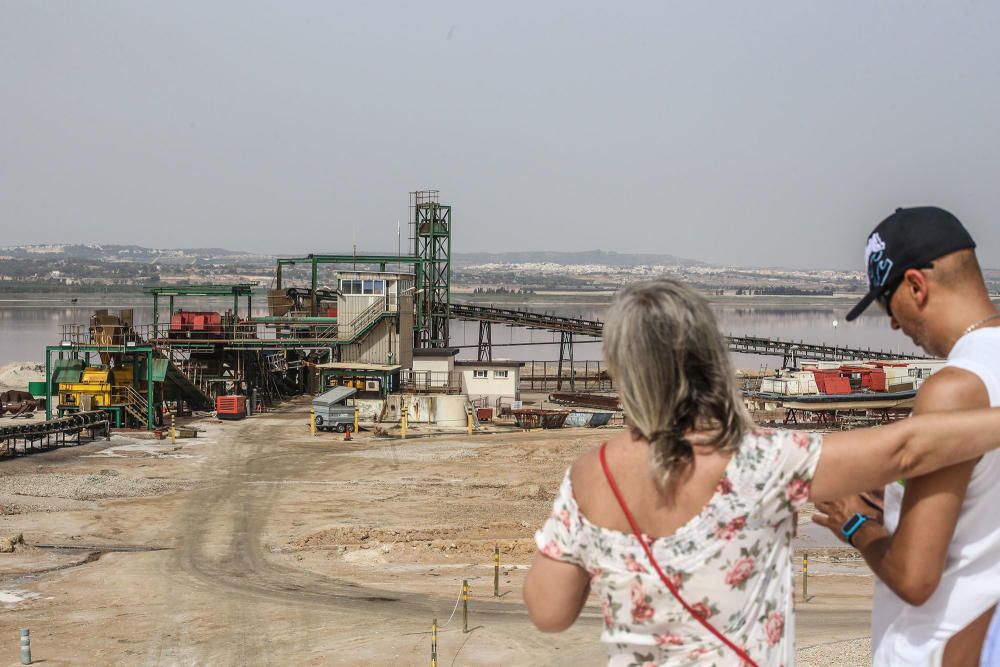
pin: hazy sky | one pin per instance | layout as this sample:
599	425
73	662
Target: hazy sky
751	133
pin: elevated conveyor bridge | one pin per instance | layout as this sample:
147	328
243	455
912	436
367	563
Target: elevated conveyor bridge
569	328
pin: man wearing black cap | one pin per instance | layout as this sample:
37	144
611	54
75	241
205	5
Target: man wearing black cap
937	550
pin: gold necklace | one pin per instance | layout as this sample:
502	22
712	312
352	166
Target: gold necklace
973	327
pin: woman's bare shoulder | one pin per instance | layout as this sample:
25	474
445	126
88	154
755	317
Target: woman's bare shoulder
590	488
586	470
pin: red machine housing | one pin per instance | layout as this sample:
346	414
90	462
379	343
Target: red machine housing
195	324
847	379
230	407
832	382
872	379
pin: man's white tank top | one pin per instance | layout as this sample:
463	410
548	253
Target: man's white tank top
970	584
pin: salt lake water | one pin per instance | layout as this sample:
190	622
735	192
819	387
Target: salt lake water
30	322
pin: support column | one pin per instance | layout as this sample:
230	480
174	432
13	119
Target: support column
485	341
565	353
170	319
48	384
156	311
315	280
418	300
149	390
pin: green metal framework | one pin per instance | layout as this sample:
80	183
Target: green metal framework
430	231
430	236
234	291
420	322
74	351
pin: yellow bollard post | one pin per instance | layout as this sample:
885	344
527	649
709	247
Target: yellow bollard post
469	415
496	571
312	420
465	605
805	577
355	419
173	430
402	423
434	643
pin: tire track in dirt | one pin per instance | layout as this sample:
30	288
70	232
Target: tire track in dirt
221	554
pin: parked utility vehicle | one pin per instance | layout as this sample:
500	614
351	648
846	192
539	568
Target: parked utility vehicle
335	409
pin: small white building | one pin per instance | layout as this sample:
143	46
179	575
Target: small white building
433	370
436	370
491	381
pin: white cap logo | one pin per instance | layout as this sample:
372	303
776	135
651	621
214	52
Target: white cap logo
875	245
879	265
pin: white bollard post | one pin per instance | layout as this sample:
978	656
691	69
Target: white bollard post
25	646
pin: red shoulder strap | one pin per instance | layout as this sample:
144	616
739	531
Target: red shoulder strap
656	566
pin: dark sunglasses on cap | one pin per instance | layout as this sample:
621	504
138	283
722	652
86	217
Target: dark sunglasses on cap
885	297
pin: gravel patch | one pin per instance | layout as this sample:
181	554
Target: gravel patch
131	450
104	484
417	451
849	653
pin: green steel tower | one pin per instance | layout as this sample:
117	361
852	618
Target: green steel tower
430	235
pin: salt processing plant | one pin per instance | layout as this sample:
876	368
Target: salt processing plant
380	326
239	448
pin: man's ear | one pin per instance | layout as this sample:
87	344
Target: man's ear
915	282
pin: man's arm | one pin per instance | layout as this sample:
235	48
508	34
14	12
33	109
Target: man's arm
911	560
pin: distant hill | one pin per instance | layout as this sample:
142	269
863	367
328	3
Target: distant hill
107	252
603	257
131	253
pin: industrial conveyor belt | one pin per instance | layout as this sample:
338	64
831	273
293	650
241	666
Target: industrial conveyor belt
594	328
28	437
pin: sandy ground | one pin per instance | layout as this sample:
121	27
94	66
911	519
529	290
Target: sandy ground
18	374
257	544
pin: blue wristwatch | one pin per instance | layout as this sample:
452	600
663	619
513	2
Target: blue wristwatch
851	526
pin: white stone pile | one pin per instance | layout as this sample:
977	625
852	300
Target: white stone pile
96	486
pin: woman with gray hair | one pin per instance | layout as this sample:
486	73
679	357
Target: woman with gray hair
683	523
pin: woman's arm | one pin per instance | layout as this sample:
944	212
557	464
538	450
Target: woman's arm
864	459
555	592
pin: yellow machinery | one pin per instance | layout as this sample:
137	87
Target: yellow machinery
98	388
93	391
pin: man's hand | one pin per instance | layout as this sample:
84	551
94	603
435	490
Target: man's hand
834	513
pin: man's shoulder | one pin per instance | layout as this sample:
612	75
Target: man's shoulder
951	388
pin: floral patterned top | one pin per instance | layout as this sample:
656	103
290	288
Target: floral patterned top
731	563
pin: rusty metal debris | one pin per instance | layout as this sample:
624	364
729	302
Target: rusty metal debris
16	403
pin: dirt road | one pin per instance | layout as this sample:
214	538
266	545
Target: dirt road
275	547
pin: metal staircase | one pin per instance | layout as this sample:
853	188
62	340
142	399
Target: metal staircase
136	405
189	377
366	319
